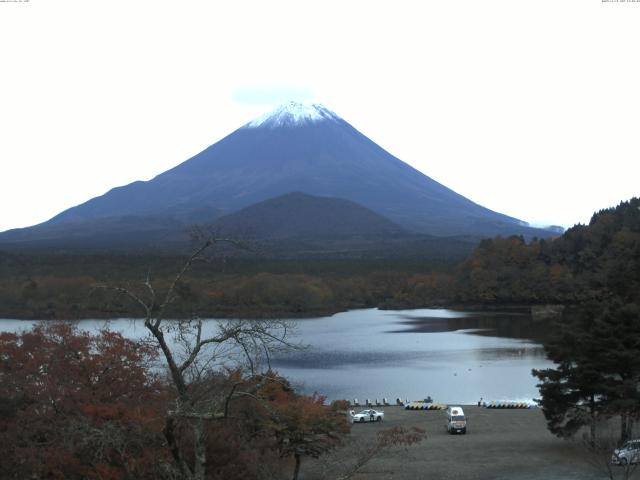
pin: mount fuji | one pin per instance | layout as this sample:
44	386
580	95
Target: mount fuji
296	148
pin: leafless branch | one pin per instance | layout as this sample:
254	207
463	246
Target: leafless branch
197	399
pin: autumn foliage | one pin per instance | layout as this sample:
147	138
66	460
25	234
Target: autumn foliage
302	425
78	406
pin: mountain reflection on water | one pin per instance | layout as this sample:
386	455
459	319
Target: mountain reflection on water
453	356
492	324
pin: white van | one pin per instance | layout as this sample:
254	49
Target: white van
456	421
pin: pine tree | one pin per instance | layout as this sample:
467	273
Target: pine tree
598	369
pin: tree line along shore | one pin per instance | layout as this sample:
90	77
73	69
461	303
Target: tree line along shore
587	262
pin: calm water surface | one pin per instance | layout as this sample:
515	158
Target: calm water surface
453	356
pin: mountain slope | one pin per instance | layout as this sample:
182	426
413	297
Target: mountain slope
117	232
301	215
296	148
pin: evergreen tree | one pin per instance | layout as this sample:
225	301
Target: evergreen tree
598	369
573	393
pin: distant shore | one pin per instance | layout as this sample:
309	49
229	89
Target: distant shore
538	312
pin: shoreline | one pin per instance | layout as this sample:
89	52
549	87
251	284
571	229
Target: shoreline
536	311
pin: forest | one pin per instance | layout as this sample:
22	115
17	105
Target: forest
581	264
62	286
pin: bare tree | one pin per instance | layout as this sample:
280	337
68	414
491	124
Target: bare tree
194	351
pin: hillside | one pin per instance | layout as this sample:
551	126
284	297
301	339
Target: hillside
296	148
592	261
301	215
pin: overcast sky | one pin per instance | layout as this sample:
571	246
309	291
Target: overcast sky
528	107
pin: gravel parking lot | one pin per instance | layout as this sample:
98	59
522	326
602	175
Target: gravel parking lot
499	444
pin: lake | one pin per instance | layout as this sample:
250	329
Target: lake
453	356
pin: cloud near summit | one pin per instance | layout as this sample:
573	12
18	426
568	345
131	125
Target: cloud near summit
271	95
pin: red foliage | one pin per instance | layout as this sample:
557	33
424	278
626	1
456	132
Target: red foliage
303	425
78	406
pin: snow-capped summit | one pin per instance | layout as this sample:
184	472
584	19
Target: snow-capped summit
296	148
293	114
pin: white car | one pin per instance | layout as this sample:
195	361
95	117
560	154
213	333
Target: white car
627	453
367	416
